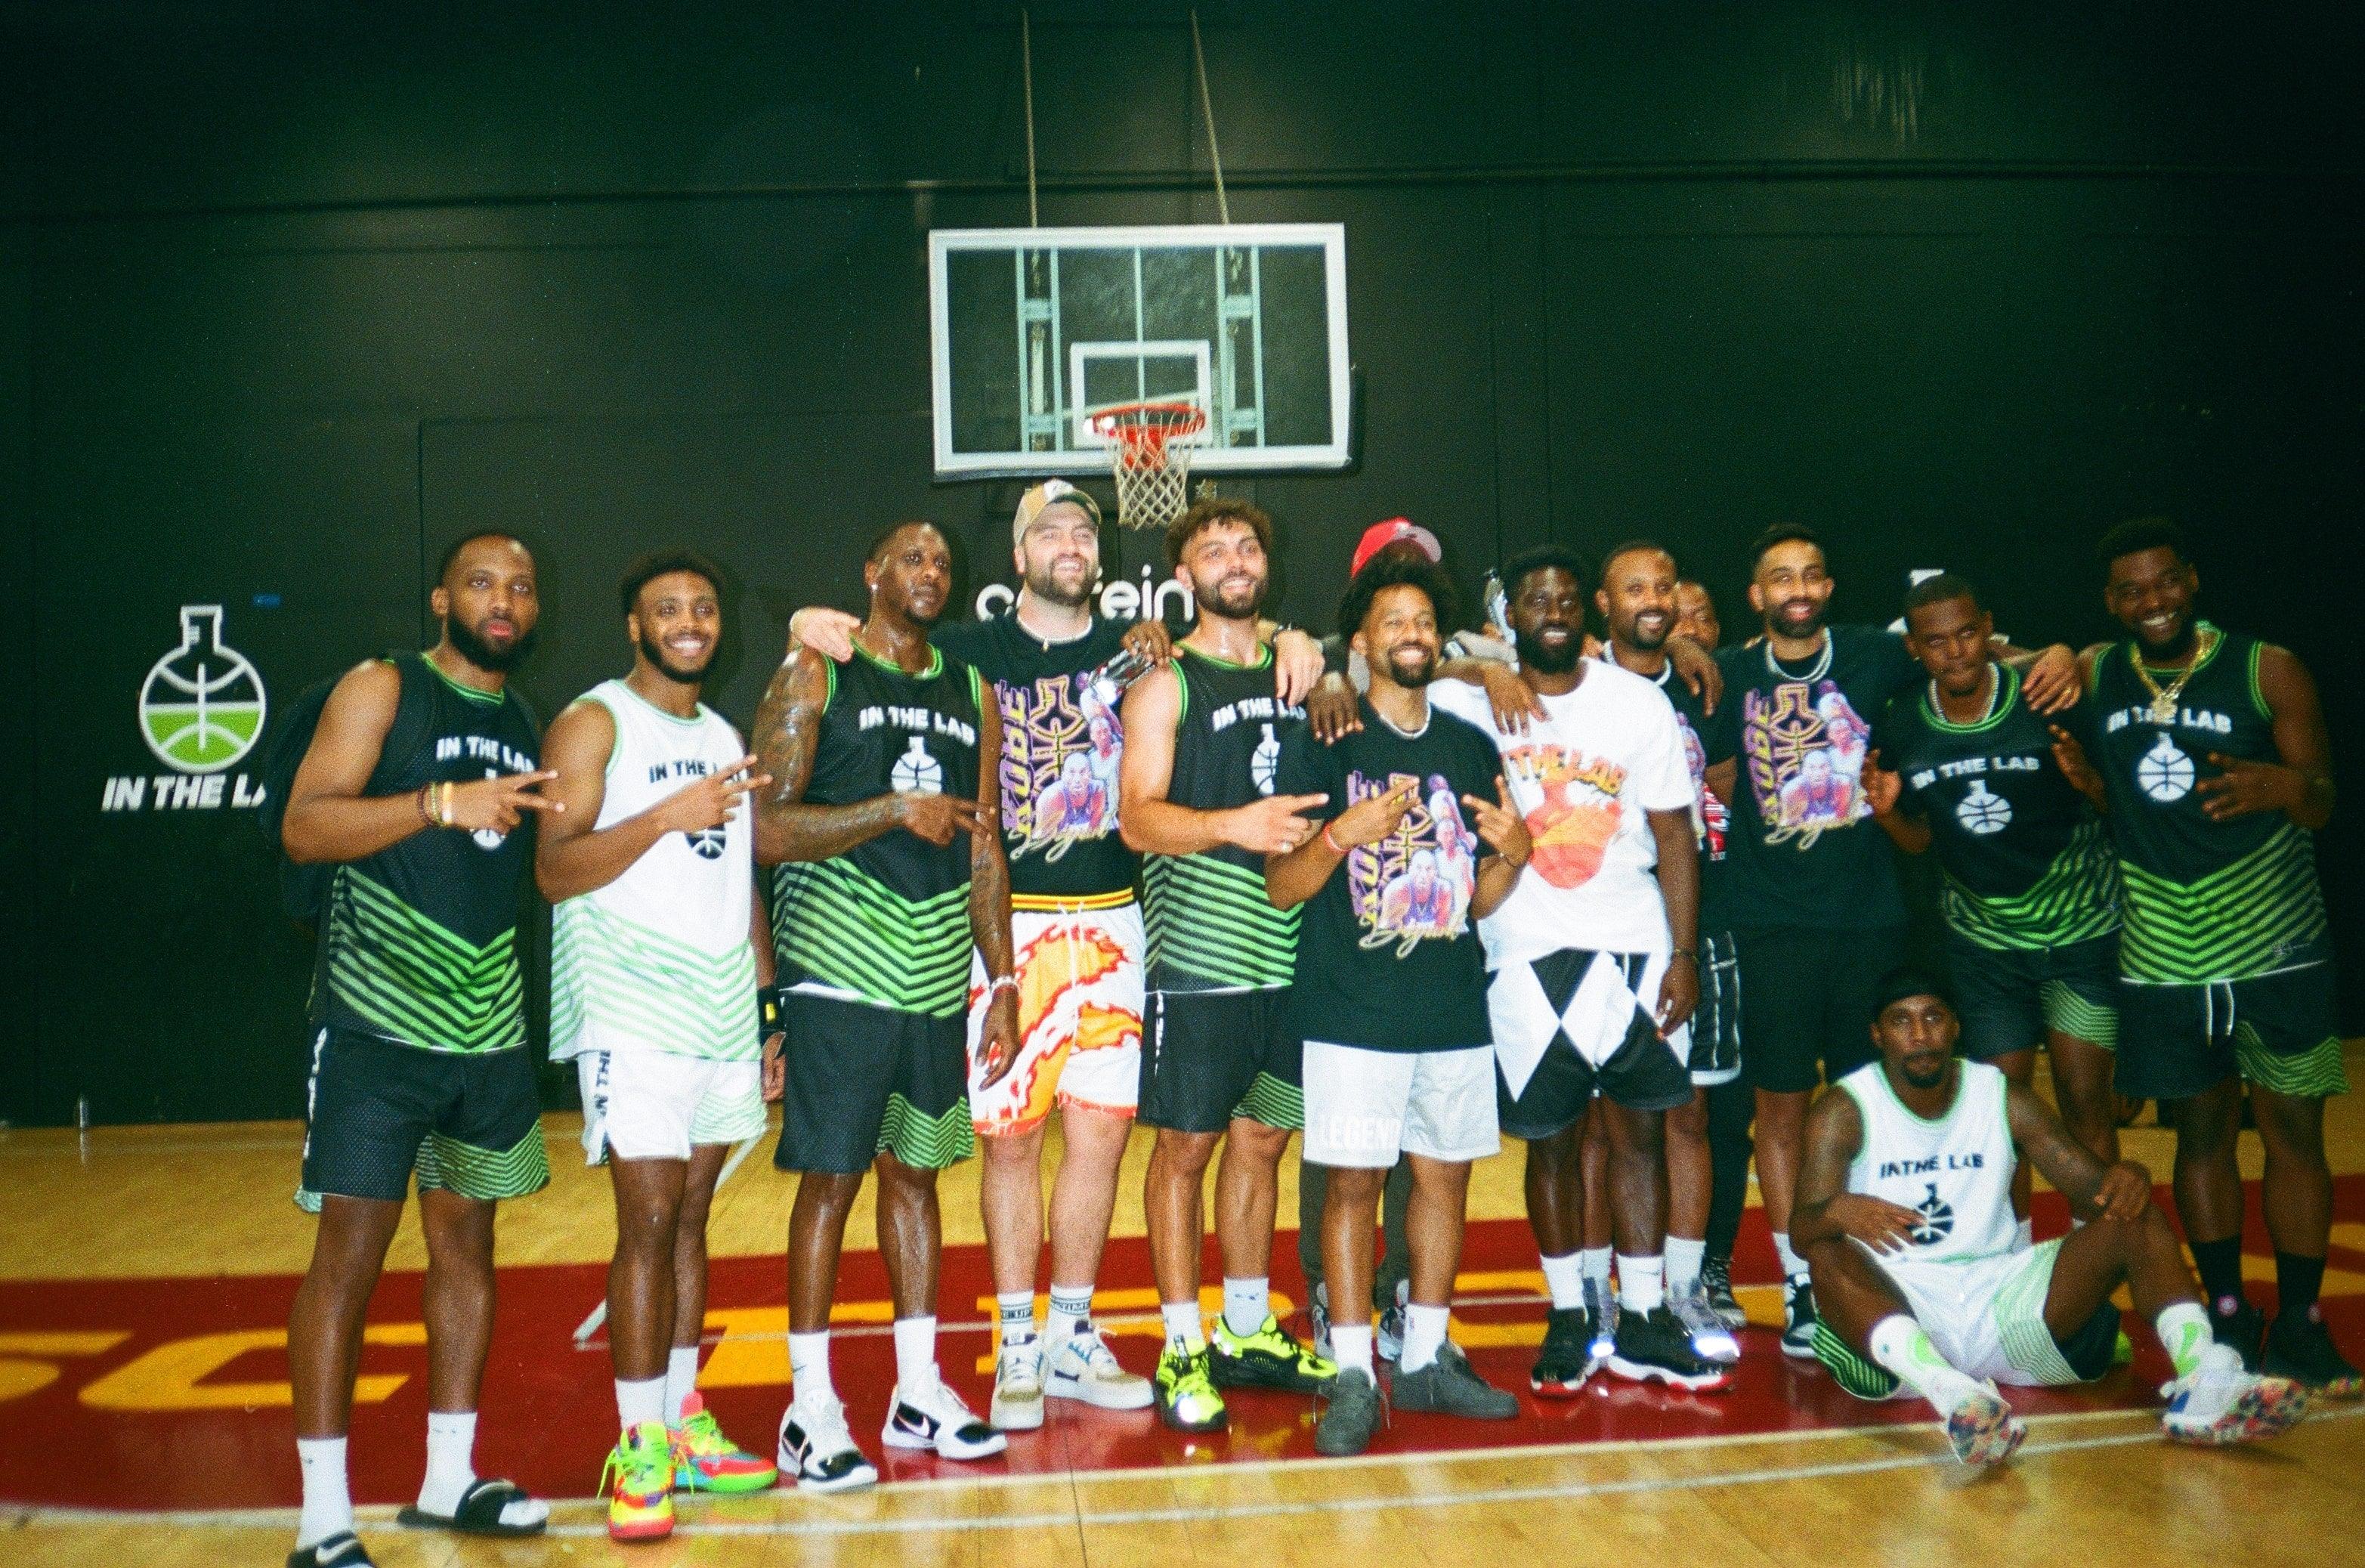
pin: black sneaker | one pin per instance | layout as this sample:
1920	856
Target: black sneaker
2244	1328
1652	1346
1448	1386
1715	1280
1352	1415
1798	1318
1567	1358
2301	1348
1270	1358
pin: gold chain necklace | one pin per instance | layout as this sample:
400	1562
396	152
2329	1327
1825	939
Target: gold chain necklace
2163	698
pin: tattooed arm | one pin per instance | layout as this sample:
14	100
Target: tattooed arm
2114	1192
788	726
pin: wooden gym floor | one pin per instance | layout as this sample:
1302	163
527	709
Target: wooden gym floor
145	1275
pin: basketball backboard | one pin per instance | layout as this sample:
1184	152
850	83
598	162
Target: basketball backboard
1034	330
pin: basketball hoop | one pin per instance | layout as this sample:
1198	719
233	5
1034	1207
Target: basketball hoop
1149	448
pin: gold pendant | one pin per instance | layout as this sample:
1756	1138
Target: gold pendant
2163	707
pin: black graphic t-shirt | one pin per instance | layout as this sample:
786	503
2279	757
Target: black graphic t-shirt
1711	818
1061	744
1388	956
2027	861
1804	851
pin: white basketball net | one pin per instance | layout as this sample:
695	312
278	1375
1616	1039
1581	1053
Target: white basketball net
1149	451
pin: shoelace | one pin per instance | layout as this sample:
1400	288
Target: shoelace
638	1471
699	1434
825	1429
1097	1356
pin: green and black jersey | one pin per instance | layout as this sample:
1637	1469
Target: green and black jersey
2205	900
2027	861
419	944
887	922
1210	926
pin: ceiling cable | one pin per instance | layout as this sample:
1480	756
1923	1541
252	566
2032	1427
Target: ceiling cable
1208	109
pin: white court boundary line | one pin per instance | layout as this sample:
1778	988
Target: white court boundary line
24	1515
591	1325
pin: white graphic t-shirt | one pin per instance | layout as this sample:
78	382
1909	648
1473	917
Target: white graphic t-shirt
1584	779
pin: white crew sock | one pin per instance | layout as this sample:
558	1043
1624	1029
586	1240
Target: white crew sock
2024	1236
2185	1334
1792	1265
809	1366
1565	1278
1183	1330
1683	1257
1595	1260
1247	1304
1898	1344
451	1466
915	1354
680	1381
328	1506
1071	1308
2077	1224
1017	1311
1641	1286
1351	1346
639	1400
1424	1336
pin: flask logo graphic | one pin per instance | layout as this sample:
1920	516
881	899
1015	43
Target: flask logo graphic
202	706
2164	772
1265	765
1983	811
917	773
1937	1221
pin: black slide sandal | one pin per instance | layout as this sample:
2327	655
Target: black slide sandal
339	1551
479	1512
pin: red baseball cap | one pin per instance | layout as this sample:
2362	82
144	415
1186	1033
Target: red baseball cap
1380	535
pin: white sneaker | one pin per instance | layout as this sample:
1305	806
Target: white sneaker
2219	1401
1086	1369
934	1417
1018	1387
1711	1340
1388	1326
816	1448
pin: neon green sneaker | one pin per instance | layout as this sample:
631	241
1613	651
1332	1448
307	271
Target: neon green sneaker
706	1461
1185	1394
1270	1358
640	1503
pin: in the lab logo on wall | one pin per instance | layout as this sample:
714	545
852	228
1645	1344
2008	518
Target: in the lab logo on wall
201	710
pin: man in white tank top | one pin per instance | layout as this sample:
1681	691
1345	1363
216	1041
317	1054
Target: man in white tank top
657	950
1904	1216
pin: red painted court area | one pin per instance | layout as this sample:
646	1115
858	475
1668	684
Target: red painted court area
172	1394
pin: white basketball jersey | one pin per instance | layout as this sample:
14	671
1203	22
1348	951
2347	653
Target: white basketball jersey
1956	1171
658	960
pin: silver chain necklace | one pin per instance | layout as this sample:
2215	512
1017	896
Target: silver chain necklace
1995	694
1822	662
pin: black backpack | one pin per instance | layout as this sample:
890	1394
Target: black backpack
304	888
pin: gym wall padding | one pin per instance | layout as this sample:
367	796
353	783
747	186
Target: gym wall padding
291	296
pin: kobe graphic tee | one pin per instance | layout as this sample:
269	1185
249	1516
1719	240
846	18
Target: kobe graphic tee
1803	850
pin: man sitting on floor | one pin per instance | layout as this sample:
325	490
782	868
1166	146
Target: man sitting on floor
1904	1215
